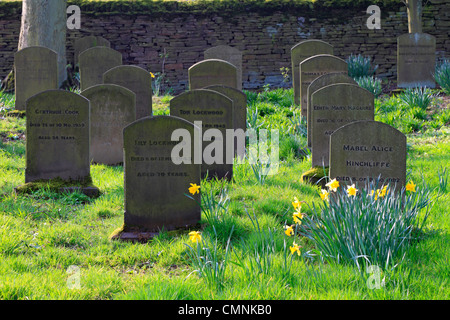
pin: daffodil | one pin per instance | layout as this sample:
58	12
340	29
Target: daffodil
195	236
351	190
333	185
298	216
295	248
296	204
152	75
325	195
193	189
289	231
410	186
383	191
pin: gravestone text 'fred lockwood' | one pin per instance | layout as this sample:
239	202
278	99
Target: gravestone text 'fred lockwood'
332	107
212	72
57	137
301	51
36	70
112	108
215	111
136	79
155	186
368	151
94	62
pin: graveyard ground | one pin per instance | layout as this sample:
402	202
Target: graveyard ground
44	233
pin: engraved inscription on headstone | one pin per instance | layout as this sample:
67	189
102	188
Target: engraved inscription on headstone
112	108
36	70
212	72
230	54
320	82
332	107
215	111
314	67
301	51
416	56
137	80
57	136
240	112
368	150
155	187
94	62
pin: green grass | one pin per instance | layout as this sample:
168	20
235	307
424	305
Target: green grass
43	233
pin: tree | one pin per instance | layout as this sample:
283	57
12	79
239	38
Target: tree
44	24
414	8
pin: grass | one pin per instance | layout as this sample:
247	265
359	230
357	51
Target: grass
43	234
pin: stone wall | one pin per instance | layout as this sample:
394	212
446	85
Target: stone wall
265	39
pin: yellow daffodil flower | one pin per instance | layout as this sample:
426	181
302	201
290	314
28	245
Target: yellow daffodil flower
298	216
410	186
333	185
351	190
152	75
195	236
193	189
296	204
289	231
295	248
325	195
383	191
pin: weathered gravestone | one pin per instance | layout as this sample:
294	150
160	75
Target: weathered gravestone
368	150
240	112
416	56
137	80
112	108
320	82
332	107
57	128
314	67
155	186
301	51
85	43
215	111
94	62
230	54
36	70
212	72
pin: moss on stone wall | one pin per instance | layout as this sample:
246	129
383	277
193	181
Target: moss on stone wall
164	8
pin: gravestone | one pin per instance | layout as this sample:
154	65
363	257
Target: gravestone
137	80
57	127
230	54
314	67
367	150
215	111
212	72
85	43
112	108
155	186
36	70
320	82
94	62
301	51
416	56
240	112
332	107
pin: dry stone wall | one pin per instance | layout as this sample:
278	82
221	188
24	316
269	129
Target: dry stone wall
264	39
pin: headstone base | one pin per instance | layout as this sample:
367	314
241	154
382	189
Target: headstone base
315	176
123	234
55	186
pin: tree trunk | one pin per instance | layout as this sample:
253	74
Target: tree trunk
44	23
414	15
